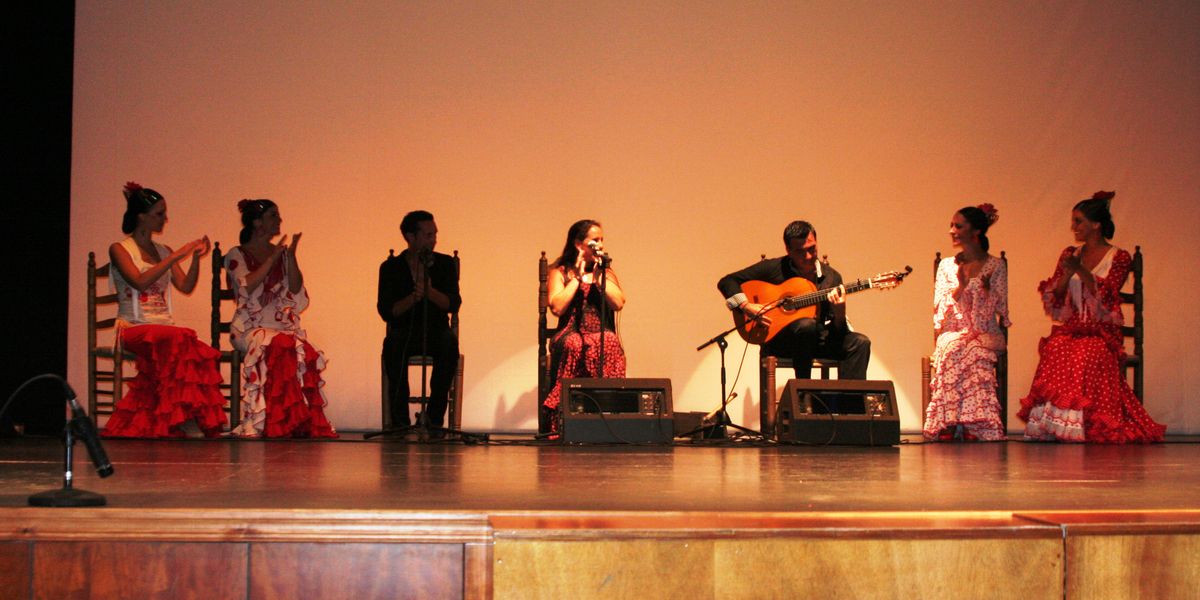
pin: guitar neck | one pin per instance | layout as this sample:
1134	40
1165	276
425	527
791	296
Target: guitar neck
819	296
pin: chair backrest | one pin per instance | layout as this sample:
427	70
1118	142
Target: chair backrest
222	290
457	275
545	332
104	385
1135	360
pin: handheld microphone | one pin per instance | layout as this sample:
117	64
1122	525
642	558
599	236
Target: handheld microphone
86	429
598	251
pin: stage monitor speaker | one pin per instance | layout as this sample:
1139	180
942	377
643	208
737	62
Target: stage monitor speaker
839	412
617	411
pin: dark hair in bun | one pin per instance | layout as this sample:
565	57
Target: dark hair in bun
252	210
1096	209
137	201
981	218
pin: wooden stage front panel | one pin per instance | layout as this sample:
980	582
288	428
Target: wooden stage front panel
352	519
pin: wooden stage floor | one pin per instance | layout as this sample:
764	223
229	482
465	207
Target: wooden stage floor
508	519
508	476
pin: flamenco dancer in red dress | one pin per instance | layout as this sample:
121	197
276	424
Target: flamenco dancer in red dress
1079	393
177	378
575	298
282	369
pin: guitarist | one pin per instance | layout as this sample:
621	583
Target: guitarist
826	336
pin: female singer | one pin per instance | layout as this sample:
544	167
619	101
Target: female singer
575	298
1079	393
281	369
177	378
970	305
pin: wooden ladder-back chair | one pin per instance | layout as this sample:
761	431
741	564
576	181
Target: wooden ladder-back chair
454	401
1134	361
105	386
1001	363
768	382
222	289
545	333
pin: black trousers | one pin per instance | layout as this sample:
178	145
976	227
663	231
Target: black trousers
442	345
803	340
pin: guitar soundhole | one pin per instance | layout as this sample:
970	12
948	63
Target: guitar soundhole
784	307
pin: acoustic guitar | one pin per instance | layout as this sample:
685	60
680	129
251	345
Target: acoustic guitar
796	298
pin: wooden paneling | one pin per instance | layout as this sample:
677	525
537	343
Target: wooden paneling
250	525
1133	566
603	569
356	571
477	571
776	568
14	570
105	570
1025	569
842	525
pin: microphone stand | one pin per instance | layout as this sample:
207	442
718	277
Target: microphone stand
719	418
79	426
602	262
67	496
422	426
423	418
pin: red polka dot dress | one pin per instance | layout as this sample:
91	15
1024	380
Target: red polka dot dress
1079	393
575	349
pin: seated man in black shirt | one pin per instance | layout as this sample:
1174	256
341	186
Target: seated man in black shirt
827	335
417	292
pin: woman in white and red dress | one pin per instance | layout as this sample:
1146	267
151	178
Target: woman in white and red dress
281	370
970	301
1079	393
177	378
575	298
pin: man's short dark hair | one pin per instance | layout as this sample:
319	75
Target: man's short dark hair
798	230
412	221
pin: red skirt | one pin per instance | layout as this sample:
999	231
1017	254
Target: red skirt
177	381
1080	394
295	406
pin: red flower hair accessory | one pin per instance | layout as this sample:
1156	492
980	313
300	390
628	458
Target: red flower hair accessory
1105	196
990	211
131	188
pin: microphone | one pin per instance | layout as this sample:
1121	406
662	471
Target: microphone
425	257
598	251
86	429
712	415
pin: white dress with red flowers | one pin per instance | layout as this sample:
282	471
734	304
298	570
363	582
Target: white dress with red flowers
281	370
177	378
963	388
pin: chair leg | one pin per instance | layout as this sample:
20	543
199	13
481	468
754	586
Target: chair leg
385	402
457	396
235	389
926	380
767	395
1002	389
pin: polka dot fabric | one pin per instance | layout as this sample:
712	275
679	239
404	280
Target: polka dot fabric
1079	393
